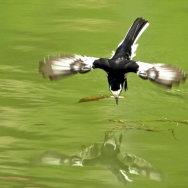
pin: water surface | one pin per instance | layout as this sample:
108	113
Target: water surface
37	115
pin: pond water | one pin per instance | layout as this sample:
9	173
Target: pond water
39	116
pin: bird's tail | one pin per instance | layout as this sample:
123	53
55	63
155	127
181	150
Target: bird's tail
127	47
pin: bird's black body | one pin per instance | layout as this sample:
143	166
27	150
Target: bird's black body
115	73
116	70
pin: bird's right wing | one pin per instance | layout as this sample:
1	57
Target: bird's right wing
65	65
161	74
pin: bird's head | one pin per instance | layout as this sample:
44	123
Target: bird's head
115	87
116	81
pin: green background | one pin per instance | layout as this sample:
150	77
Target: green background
37	115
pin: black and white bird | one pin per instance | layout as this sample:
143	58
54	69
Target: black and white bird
117	66
121	165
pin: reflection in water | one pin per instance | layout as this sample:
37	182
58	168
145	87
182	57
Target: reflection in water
108	155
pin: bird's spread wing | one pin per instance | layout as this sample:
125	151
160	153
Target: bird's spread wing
165	75
127	47
139	166
65	65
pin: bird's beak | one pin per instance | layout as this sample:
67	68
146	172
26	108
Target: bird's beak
116	98
116	94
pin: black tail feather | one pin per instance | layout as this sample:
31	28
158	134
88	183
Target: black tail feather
124	50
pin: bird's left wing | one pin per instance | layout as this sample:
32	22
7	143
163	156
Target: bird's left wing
65	65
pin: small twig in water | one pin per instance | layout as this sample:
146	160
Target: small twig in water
142	126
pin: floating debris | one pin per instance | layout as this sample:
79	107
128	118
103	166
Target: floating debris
142	126
96	98
92	98
173	121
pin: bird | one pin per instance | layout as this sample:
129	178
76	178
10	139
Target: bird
117	66
107	154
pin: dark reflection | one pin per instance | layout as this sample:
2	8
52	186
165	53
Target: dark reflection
109	155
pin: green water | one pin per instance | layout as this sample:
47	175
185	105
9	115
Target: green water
37	115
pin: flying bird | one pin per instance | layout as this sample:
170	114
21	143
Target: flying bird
117	66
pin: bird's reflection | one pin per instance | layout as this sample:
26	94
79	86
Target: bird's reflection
109	155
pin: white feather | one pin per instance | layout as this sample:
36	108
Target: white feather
63	63
135	46
112	54
140	33
167	75
60	63
133	49
143	67
125	176
116	93
88	60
